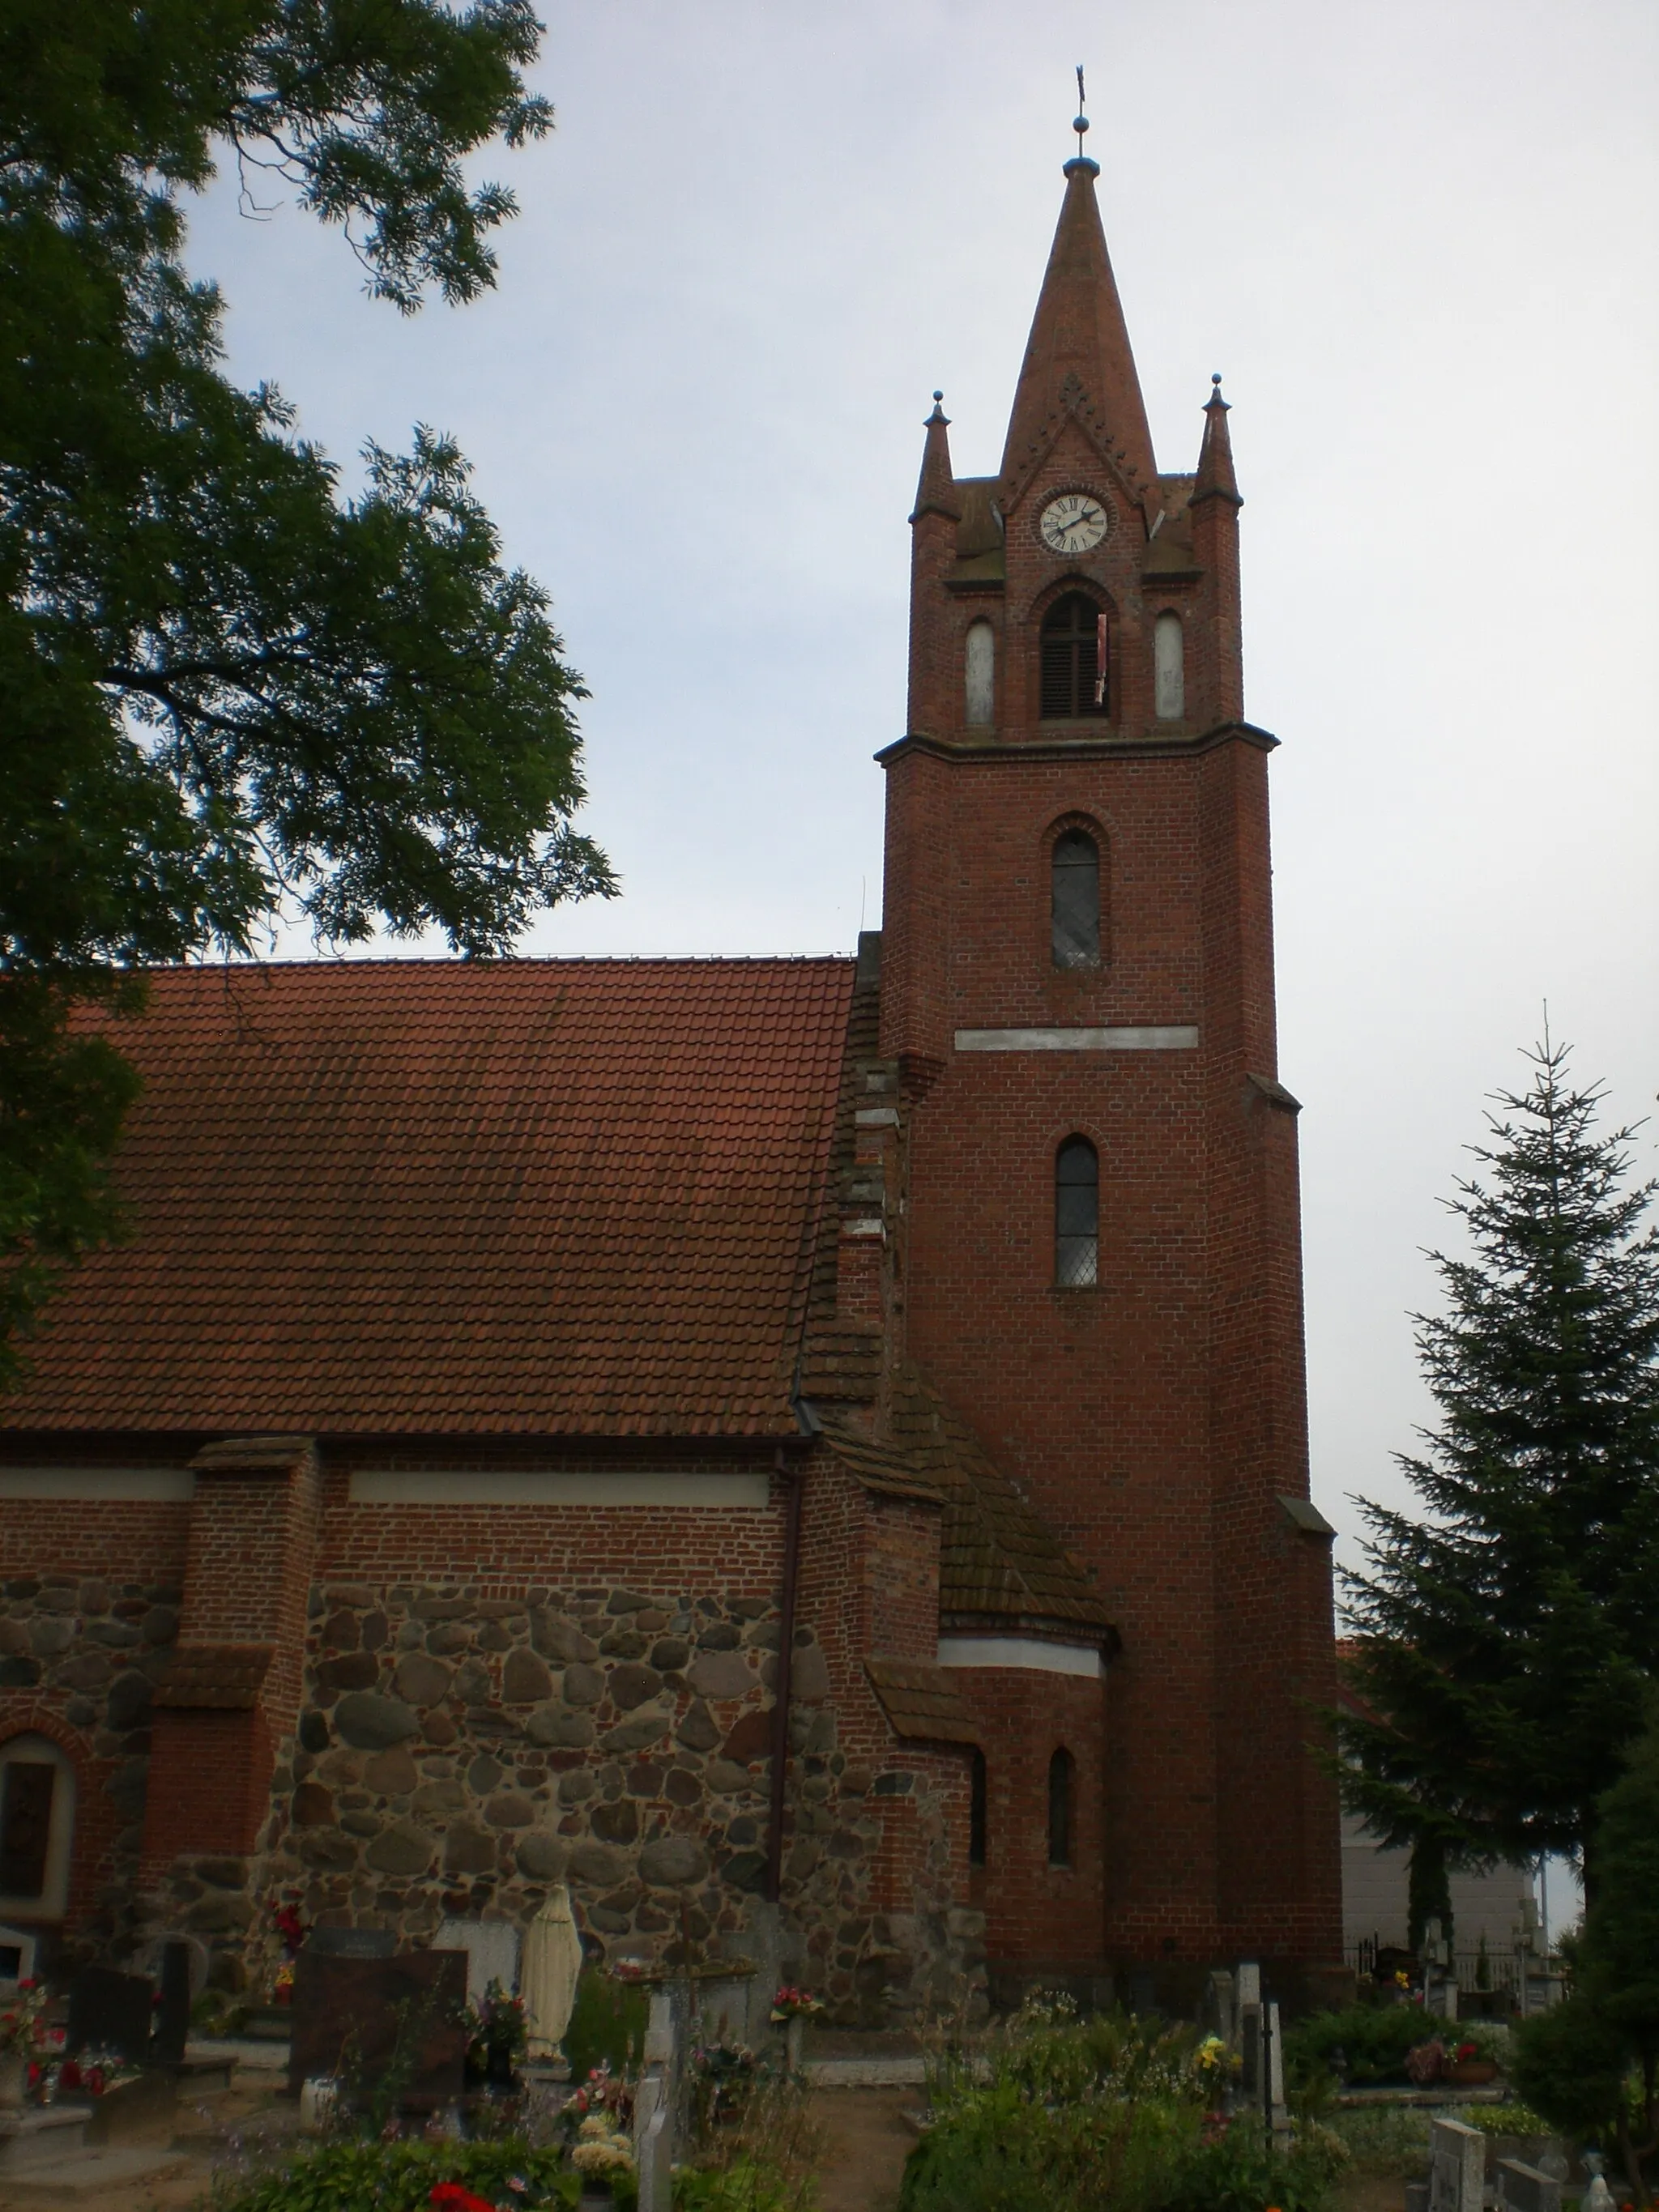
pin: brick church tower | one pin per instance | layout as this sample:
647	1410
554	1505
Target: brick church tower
1098	1267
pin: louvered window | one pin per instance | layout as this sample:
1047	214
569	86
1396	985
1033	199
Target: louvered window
1060	1809
1074	870
1077	1214
1074	660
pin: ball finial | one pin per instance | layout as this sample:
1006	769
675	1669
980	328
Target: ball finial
940	395
1216	378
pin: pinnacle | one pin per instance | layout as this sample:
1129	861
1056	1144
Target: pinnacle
1215	478
936	492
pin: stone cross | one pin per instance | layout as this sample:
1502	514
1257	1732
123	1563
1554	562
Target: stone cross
1457	2167
654	2102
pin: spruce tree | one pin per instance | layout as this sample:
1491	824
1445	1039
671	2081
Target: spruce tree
1592	2065
1507	1635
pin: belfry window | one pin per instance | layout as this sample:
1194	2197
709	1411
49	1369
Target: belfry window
1060	1809
1077	1214
1074	899
1169	677
977	1795
1075	676
980	675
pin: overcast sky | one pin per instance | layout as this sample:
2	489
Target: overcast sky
1419	240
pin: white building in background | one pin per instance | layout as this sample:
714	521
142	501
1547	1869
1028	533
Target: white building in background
1374	1897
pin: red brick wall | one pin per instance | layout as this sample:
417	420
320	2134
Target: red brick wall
1036	1914
1155	1419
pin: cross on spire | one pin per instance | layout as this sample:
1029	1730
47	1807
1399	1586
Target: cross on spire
1081	121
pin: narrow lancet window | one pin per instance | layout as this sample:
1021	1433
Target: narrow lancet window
1060	1809
1169	677
1077	1214
1075	900
1074	678
977	1793
981	670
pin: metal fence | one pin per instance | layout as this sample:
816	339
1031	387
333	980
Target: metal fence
1494	1969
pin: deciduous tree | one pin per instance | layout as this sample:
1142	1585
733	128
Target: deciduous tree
227	691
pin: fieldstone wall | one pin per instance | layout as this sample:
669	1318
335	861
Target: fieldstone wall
457	1755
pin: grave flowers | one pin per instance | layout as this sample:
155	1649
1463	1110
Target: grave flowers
498	2036
603	2095
791	2004
289	1926
601	2156
95	2072
22	2032
1426	2062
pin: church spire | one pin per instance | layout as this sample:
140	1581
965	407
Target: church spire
1079	341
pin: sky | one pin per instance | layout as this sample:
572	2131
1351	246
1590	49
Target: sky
1417	239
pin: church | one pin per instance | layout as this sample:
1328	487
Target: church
810	1453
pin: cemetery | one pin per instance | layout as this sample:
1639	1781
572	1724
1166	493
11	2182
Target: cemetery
501	2067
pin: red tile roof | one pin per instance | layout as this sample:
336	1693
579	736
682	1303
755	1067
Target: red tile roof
562	1196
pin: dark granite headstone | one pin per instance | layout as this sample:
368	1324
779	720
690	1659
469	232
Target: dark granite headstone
359	2018
110	2011
352	1942
172	2015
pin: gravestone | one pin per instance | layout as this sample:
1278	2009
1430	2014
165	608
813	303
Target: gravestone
1457	2167
1218	2015
492	1954
172	2029
352	1942
1250	2055
1278	2117
1526	2188
110	2011
356	2019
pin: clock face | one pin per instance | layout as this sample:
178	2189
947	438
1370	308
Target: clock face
1075	522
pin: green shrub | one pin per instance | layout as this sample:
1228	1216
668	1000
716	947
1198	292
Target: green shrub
1569	2064
607	2025
1238	2173
400	2176
1109	2114
1374	2040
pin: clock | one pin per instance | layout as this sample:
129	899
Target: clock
1075	522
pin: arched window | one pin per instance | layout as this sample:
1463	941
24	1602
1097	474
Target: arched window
1169	677
1075	672
1074	899
1060	1809
977	1806
1077	1214
37	1825
980	668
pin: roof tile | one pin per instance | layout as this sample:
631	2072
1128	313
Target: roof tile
559	1196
